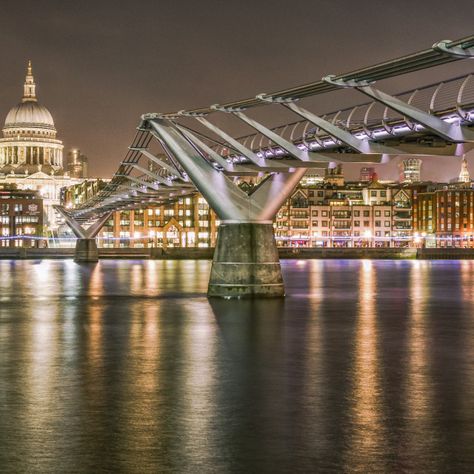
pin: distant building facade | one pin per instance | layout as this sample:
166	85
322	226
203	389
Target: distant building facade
21	217
321	212
410	170
77	164
186	222
445	217
345	215
464	176
367	174
79	193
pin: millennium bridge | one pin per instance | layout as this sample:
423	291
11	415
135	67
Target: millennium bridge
174	154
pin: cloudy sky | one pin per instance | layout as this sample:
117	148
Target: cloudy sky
100	64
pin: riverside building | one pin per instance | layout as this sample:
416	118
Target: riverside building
21	217
339	214
188	222
321	212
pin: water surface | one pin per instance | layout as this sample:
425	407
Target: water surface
126	366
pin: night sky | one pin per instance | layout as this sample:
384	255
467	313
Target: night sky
100	64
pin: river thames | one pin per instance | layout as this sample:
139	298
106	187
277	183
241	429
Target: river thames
126	366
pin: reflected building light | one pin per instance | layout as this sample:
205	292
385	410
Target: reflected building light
96	285
316	283
136	280
151	277
467	275
368	433
200	350
418	388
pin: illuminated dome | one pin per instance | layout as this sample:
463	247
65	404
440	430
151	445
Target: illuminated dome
29	114
29	140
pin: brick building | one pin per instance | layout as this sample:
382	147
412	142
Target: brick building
445	217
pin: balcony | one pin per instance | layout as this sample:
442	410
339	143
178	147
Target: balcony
341	214
342	225
402	215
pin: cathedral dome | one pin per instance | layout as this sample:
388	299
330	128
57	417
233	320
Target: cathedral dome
29	114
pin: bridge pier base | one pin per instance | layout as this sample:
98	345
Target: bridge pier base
246	262
86	251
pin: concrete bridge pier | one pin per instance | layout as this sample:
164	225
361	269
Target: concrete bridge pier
246	262
86	245
86	251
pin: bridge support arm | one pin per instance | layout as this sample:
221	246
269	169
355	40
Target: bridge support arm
152	175
452	132
86	246
362	146
171	170
243	150
303	155
77	229
228	201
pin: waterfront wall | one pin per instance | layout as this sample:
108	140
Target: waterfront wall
207	253
319	253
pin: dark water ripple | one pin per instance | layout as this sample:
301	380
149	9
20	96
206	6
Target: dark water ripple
125	366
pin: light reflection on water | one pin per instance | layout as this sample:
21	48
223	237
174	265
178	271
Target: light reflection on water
367	366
